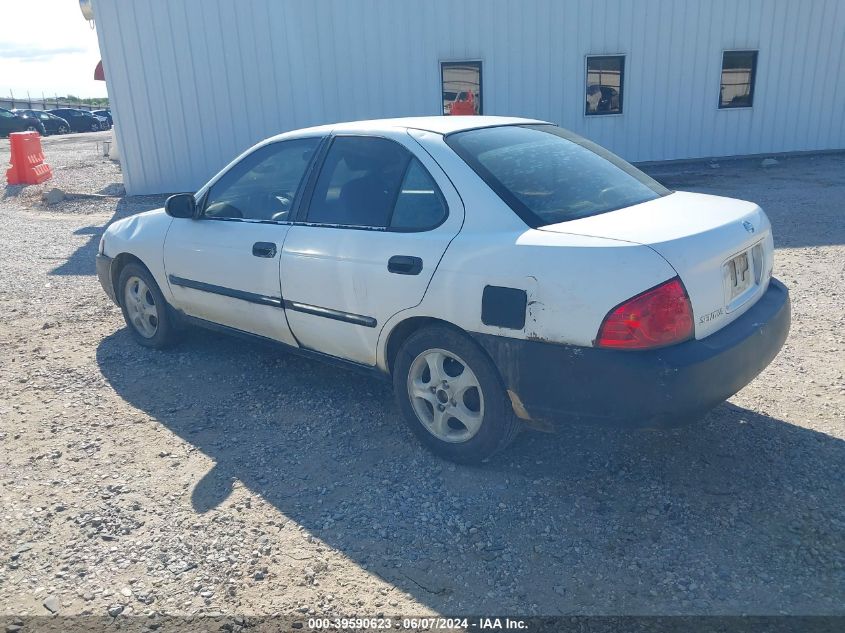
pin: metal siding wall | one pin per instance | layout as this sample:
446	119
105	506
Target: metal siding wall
194	82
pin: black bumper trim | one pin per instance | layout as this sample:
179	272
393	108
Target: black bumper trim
662	387
103	265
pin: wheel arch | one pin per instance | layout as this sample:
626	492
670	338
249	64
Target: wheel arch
400	333
117	266
405	328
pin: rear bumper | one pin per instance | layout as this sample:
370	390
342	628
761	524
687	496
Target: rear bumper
663	387
104	275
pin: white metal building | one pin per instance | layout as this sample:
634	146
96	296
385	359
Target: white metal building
192	83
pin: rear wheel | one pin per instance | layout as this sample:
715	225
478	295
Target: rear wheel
451	396
63	129
95	127
144	308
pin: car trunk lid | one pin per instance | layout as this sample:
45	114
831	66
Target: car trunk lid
721	248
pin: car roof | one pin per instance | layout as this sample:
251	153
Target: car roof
437	124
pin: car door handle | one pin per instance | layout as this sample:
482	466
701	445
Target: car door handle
264	249
405	265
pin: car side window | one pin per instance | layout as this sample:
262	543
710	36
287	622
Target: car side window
264	184
359	182
419	205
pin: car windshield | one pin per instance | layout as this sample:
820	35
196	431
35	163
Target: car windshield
548	175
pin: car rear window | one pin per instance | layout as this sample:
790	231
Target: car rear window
548	175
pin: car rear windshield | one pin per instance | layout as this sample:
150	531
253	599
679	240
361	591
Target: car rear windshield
548	175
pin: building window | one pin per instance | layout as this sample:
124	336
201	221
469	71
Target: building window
461	83
738	73
605	79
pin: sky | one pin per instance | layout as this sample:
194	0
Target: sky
47	46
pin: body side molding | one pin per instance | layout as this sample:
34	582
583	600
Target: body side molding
337	315
251	297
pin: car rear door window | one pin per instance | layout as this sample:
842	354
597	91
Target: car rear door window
376	183
359	182
419	205
264	184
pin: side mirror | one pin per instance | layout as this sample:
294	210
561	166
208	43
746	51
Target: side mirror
181	205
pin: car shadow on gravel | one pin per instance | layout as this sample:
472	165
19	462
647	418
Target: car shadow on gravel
739	513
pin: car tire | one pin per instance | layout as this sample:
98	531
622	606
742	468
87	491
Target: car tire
95	127
145	310
63	129
463	417
31	128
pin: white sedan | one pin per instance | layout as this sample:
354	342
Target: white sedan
501	272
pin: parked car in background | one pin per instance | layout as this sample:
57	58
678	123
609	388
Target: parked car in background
79	120
51	123
35	124
106	114
104	122
499	271
12	122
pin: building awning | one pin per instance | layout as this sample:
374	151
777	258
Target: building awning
98	71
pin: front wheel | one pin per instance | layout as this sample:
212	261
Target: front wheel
144	308
451	396
95	127
63	129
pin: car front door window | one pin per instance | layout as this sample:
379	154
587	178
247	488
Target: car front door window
264	184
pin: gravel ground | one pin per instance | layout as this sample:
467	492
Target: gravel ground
224	476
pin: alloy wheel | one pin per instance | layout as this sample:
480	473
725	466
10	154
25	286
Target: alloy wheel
446	395
141	307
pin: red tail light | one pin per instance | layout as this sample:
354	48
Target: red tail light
660	316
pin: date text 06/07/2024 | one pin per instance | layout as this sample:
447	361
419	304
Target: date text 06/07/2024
427	623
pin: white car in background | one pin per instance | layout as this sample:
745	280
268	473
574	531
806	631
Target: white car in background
500	271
